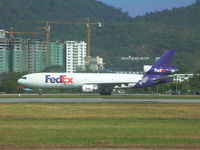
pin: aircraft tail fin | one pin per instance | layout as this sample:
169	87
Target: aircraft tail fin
162	66
165	59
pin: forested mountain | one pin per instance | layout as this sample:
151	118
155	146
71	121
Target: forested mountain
152	34
120	35
175	29
24	15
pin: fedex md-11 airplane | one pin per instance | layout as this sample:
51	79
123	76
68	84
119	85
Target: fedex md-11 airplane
104	82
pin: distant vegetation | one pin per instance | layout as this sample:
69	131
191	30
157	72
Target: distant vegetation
120	34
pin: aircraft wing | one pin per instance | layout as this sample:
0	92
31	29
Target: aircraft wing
112	85
166	78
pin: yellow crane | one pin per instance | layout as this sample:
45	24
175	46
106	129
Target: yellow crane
36	33
88	30
46	29
11	33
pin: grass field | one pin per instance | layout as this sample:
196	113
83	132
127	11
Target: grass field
100	125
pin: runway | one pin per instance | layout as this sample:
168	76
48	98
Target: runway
100	100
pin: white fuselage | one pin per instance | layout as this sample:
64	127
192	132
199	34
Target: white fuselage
65	80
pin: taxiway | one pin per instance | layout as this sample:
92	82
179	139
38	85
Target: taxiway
101	100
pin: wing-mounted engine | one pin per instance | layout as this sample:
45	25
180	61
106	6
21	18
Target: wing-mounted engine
89	88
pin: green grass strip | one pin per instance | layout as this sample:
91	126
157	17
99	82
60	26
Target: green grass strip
100	125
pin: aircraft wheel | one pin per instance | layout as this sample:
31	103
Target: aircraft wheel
105	92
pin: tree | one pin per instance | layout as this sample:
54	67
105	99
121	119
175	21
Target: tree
9	83
194	83
54	68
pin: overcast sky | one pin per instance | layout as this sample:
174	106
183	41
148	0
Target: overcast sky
140	7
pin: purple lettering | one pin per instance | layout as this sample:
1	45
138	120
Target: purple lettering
61	79
53	80
47	77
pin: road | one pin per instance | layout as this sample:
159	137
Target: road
101	100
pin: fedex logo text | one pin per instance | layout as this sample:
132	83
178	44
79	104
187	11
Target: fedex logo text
160	70
61	79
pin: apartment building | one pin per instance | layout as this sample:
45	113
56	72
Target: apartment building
36	55
57	55
20	55
96	63
2	33
4	55
75	55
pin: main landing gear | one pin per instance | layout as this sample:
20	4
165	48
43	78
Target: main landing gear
105	92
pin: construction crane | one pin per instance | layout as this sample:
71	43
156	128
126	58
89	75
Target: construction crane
88	30
11	33
46	29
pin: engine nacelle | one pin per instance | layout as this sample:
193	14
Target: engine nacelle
89	88
163	70
167	70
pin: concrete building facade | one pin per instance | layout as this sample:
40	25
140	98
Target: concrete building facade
20	55
2	33
96	63
36	55
75	56
13	55
57	55
4	55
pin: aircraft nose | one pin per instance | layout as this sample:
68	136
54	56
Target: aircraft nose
20	81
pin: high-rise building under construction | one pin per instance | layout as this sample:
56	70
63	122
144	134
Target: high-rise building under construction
57	53
20	55
36	55
13	55
4	55
29	55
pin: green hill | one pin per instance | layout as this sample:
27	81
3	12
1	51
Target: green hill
120	35
177	29
153	33
24	14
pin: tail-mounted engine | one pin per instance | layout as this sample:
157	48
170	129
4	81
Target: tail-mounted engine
162	70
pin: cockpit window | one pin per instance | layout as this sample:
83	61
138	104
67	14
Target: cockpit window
24	78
